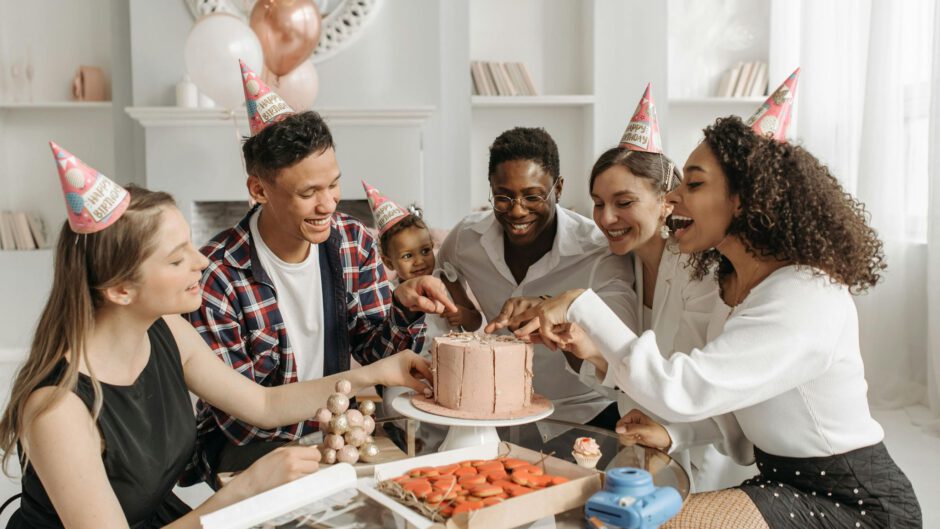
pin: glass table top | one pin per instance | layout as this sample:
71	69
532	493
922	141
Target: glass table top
352	509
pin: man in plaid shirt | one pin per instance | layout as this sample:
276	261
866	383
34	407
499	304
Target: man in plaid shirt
293	261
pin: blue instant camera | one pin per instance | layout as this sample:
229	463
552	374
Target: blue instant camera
631	501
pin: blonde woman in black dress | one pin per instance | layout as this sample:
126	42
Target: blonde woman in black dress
101	411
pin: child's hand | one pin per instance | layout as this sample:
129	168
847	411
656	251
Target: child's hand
467	319
455	319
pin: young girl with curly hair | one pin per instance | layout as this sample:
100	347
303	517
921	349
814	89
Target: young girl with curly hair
782	383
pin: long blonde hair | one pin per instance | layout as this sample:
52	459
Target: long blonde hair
85	266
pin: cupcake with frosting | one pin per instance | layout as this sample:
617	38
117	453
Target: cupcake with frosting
586	452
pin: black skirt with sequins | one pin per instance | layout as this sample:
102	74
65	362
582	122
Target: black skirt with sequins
863	488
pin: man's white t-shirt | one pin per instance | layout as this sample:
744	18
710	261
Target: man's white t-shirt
300	301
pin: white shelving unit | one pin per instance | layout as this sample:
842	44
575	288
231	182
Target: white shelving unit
715	101
697	61
555	46
55	38
532	101
56	105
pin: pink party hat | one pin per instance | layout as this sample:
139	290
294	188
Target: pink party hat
385	212
773	117
642	132
93	201
264	105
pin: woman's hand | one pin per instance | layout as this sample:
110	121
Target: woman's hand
402	369
512	308
283	465
544	317
573	339
637	428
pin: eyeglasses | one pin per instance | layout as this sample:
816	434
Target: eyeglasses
503	203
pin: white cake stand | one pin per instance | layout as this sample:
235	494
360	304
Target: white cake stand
463	433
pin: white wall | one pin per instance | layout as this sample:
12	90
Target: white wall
410	55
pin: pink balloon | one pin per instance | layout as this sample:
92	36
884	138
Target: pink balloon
298	87
289	31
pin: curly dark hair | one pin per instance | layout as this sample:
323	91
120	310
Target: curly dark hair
411	221
656	167
285	143
792	209
525	143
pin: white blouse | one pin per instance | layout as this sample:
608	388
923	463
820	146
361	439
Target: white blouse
680	316
785	373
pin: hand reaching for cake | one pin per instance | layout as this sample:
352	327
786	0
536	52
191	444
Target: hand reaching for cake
403	369
545	317
467	319
424	294
512	309
638	428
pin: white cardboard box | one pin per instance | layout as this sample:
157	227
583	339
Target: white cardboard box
282	500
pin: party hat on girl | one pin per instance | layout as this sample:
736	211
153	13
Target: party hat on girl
642	132
93	200
773	117
263	104
385	212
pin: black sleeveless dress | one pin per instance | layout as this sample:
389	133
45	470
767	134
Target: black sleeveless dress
149	433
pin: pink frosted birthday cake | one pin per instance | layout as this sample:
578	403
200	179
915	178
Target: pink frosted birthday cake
481	377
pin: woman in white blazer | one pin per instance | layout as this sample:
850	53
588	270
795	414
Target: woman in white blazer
628	188
784	378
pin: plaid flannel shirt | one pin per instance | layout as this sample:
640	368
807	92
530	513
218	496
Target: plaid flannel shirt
240	321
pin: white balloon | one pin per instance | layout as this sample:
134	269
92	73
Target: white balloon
213	47
298	87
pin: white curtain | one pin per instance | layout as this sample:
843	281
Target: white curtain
933	235
864	104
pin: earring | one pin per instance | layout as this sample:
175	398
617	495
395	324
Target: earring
126	300
664	231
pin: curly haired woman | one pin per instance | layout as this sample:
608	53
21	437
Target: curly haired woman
782	383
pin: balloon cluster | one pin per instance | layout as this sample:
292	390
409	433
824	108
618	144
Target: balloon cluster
277	41
347	433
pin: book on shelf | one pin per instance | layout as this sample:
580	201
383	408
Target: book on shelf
744	79
481	83
6	231
475	88
520	78
20	230
24	239
501	79
511	86
488	81
38	228
530	85
759	85
502	89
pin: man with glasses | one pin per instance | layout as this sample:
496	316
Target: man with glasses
529	246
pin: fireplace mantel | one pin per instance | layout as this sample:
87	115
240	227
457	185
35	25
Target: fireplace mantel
196	153
213	117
